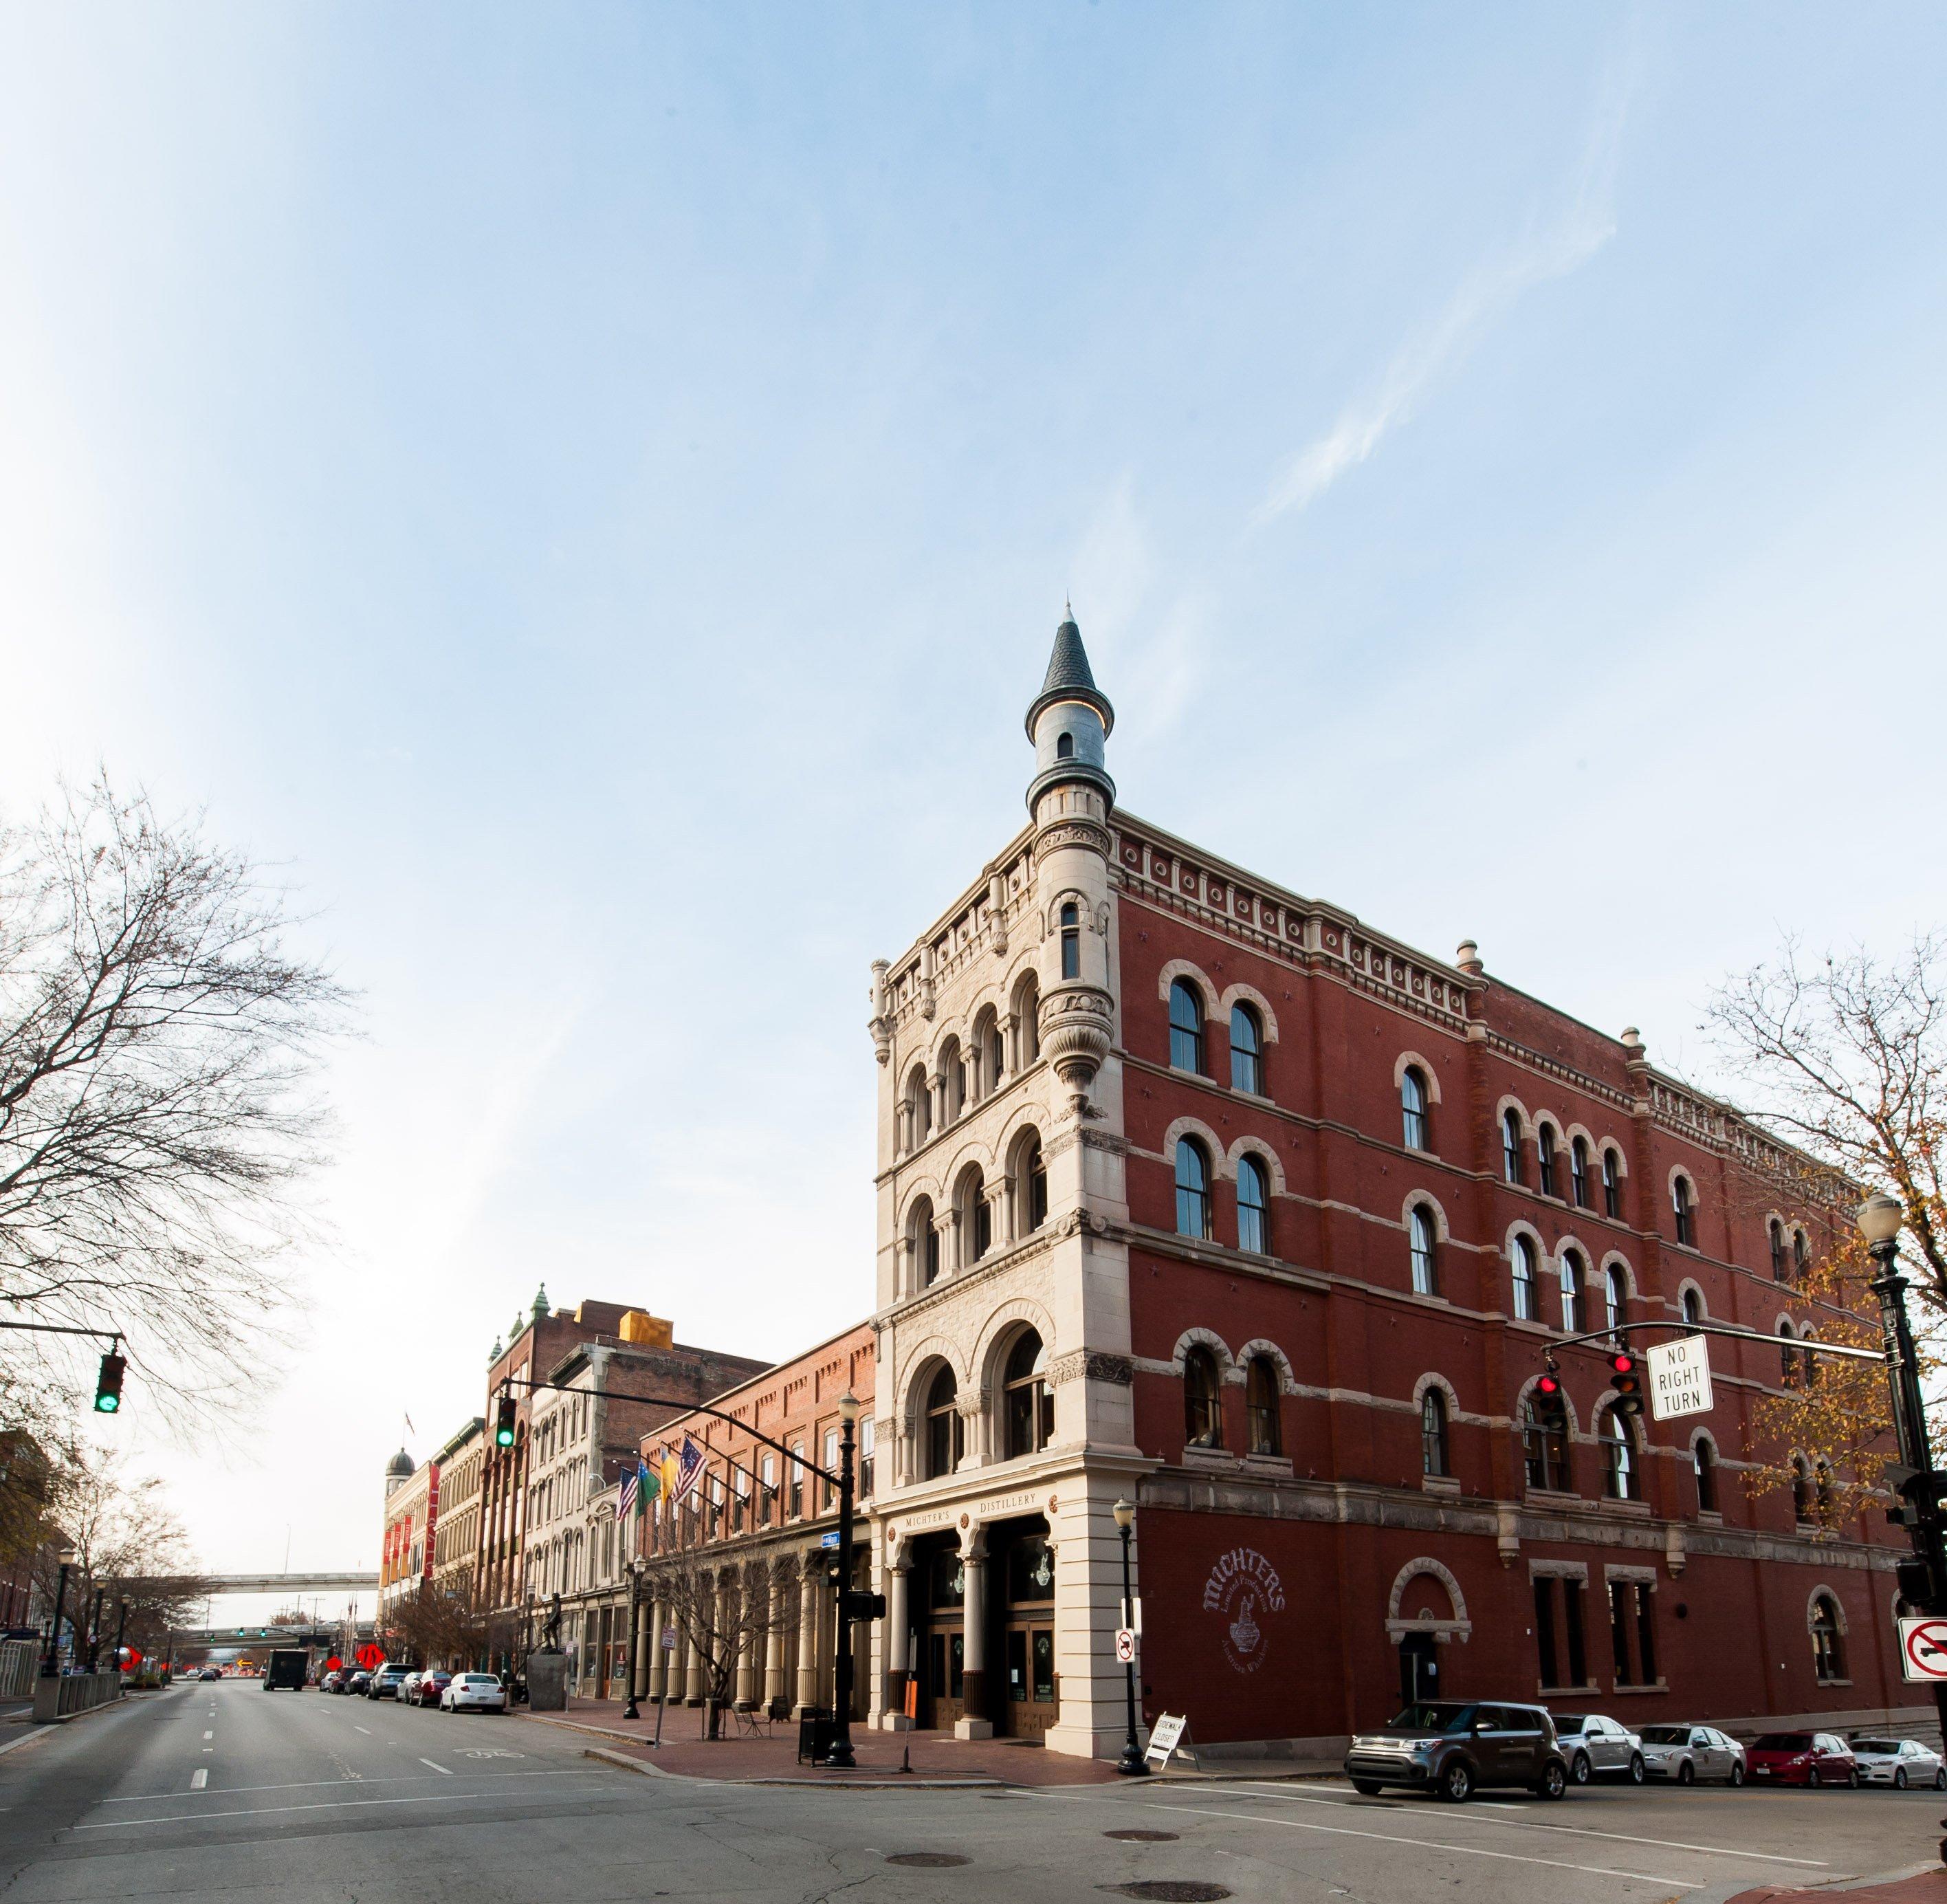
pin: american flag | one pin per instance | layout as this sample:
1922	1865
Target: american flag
629	1482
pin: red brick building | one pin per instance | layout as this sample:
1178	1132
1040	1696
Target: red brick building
1198	1190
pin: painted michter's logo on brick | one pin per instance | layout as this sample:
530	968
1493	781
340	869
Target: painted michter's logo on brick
1243	1589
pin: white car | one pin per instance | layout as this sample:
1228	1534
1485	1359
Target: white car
474	1692
1688	1752
1898	1762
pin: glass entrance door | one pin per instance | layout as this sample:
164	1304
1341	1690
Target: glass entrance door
1027	1640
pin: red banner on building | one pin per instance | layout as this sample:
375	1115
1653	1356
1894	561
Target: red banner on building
433	1512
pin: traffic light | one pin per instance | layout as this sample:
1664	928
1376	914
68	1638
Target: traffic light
860	1606
108	1384
1628	1384
1918	1497
504	1422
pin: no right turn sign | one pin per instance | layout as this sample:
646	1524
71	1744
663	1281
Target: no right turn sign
1923	1649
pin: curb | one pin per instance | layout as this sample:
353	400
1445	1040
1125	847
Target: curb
647	1770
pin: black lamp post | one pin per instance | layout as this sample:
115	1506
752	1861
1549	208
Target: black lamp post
94	1628
1880	1217
50	1660
840	1753
1131	1764
636	1567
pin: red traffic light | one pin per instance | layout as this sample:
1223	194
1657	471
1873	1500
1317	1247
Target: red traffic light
1622	1362
1548	1385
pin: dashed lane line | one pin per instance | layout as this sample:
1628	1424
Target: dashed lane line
311	1784
197	1780
431	1798
366	1729
443	1772
209	1735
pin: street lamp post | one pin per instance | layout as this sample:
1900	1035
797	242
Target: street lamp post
635	1566
94	1628
50	1660
1880	1217
1131	1764
840	1753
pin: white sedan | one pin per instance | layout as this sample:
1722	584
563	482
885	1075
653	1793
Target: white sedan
1898	1762
474	1692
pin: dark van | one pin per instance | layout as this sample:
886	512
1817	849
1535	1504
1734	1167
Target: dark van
286	1669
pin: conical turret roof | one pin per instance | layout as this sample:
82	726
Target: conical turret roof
1069	677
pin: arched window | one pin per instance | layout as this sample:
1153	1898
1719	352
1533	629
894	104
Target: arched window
952	1082
1064	747
919	1108
1034	1173
1828	1643
1693	1308
1821	1491
1202	1404
1578	1172
1071	940
1422	1244
945	1433
1433	1431
1185	1026
1544	1147
1412	1108
1511	1147
1027	1021
1571	1273
1254	1206
984	1065
1527	1293
1801	1253
1778	1270
1808	1361
1801	1490
1545	1447
1621	1480
1615	1301
1612	1185
976	1219
1193	1189
1704	1464
1682	1204
1029	1400
1263	1388
1787	1361
1247	1051
924	1239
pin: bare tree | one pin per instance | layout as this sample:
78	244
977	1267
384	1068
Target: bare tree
723	1611
157	1046
432	1627
1846	1057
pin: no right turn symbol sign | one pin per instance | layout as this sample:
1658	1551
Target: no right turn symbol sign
1922	1648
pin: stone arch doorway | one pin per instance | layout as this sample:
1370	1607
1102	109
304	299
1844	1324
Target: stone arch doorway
1419	1667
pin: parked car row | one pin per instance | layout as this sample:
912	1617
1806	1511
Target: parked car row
1454	1747
448	1692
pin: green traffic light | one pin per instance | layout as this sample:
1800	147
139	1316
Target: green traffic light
106	1404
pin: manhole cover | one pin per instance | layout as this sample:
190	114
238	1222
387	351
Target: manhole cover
1142	1837
1170	1891
935	1860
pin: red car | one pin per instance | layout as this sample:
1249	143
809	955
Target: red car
1800	1759
431	1686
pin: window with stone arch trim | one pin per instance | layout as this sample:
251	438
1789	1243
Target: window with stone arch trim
1617	1281
1027	1181
1204	1362
1254	1030
1547	1459
1191	999
1417	1084
1581	1154
1435	1397
921	1235
1825	1626
1690	1303
916	1109
1526	1258
931	1382
987	1059
1008	1324
1683	1205
1705	1464
1514	1131
1801	1489
1614	1166
1025	1000
973	1212
1247	1154
1267	1381
950	1067
1424	1223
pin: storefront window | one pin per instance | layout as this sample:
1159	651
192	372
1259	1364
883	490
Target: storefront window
1030	1572
949	1579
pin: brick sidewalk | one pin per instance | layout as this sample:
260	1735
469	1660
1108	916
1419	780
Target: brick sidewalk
1927	1886
881	1755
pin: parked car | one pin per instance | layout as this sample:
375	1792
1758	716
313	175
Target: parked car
474	1692
430	1686
209	1673
1596	1746
409	1688
333	1681
359	1683
1452	1748
386	1682
1688	1752
1801	1759
1898	1762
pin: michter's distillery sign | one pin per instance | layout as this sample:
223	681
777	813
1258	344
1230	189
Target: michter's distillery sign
1243	1590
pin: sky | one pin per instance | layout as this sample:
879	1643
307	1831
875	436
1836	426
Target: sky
587	492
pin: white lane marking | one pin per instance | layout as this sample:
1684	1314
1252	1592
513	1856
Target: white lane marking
357	1779
209	1735
442	1770
1486	1816
366	1729
449	1798
197	1780
1420	1844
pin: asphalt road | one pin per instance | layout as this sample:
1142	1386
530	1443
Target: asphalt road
226	1791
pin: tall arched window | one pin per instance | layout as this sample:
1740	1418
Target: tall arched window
1578	1172
1778	1270
1412	1108
1422	1241
1828	1644
1693	1308
1027	1021
1247	1051
1788	1362
1528	1292
1071	941
1614	1298
1185	1026
1621	1480
1571	1272
1704	1464
1544	1150
1612	1185
1264	1386
1511	1147
1683	1205
1029	1400
977	1218
1254	1206
1193	1189
1545	1447
952	1082
1801	1490
945	1433
925	1241
919	1108
1202	1404
1433	1431
1801	1253
1034	1173
1821	1491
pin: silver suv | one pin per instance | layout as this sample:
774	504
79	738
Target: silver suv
1596	1746
1452	1747
386	1682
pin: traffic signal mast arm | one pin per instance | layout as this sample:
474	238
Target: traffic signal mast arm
1796	1343
688	1408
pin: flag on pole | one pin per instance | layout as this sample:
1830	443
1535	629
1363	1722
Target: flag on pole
627	1499
688	1467
647	1486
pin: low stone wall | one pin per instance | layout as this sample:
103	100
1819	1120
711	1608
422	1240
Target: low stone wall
19	1667
74	1692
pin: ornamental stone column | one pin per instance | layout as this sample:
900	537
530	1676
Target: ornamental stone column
807	1641
975	1723
899	1662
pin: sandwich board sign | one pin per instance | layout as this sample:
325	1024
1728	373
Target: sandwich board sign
1679	1377
1169	1735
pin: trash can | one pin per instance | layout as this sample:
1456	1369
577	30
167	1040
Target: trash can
815	1726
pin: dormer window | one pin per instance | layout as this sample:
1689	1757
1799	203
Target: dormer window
1064	748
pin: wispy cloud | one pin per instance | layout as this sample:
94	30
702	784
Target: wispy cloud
1552	247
